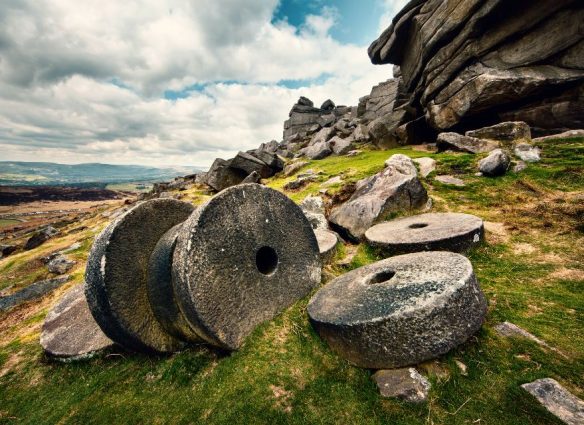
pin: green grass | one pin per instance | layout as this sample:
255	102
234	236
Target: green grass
5	222
285	374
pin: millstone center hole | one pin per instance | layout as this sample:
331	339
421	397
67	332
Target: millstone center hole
266	260
381	277
418	225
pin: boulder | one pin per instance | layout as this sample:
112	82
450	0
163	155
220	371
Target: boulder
236	264
40	237
313	208
527	152
273	161
300	182
32	292
117	275
328	105
507	132
496	164
69	331
454	232
427	165
318	151
254	177
249	163
61	264
405	384
221	176
293	167
458	142
396	188
303	117
6	250
557	400
380	102
341	146
323	135
400	311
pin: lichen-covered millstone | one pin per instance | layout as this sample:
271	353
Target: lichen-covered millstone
240	259
161	290
327	244
400	311
454	232
69	332
117	274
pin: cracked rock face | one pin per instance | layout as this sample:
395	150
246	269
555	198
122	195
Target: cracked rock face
400	311
117	274
454	232
238	264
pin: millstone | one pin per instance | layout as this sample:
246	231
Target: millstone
454	232
400	311
70	332
327	244
241	259
117	275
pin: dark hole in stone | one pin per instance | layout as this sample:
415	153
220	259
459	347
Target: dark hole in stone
418	225
266	260
381	277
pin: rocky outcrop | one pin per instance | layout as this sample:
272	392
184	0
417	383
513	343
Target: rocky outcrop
40	237
305	119
467	64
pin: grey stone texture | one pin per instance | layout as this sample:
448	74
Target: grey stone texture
509	133
448	179
327	244
557	400
495	164
40	237
527	152
32	292
458	142
454	232
69	331
403	384
426	165
237	264
61	264
400	311
117	274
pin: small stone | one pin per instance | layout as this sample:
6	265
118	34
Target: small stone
517	168
462	367
447	179
427	165
60	264
69	331
557	400
299	183
509	329
327	244
496	164
527	153
404	384
436	369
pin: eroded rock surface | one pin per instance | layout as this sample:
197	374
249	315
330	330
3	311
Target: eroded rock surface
557	400
404	384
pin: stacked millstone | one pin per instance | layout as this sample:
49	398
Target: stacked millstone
164	275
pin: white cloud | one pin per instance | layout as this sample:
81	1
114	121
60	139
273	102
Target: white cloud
58	59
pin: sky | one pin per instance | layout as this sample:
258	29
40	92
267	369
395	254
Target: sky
174	82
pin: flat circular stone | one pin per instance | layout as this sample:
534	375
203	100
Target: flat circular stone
400	311
69	332
454	232
327	244
241	259
117	274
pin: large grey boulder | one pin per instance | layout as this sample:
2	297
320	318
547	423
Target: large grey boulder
69	331
221	176
458	142
341	146
396	188
249	163
454	232
496	164
400	311
324	135
40	237
303	116
557	400
117	275
318	150
507	132
237	264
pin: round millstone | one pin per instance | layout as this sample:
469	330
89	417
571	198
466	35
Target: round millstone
400	311
327	244
117	274
454	232
161	291
241	259
69	332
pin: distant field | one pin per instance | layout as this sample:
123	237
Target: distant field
21	177
130	187
5	222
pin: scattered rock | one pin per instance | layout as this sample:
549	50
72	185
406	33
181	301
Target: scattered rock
400	311
70	332
40	238
327	244
354	152
565	135
333	181
221	176
527	153
508	329
313	208
6	250
404	384
318	150
454	232
249	163
458	142
236	265
61	264
557	400
32	292
496	164
448	179
436	369
341	146
508	132
427	165
294	167
520	166
253	177
299	183
396	188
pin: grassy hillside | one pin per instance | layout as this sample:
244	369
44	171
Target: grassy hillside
531	270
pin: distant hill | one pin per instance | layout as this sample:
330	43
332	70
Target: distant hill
52	174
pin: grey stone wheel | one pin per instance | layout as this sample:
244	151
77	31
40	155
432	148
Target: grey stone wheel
400	311
117	274
69	331
327	244
241	259
454	232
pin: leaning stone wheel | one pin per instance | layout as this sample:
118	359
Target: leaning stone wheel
400	311
241	259
454	232
117	275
